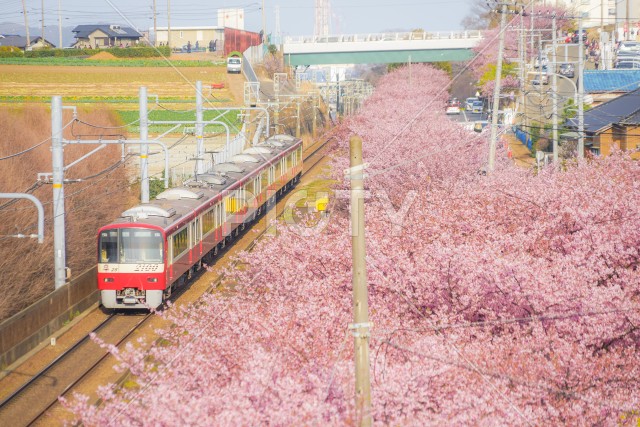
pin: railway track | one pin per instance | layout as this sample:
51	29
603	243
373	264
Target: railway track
33	399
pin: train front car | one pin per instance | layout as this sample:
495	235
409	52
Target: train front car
131	265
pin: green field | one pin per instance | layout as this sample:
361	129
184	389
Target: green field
131	118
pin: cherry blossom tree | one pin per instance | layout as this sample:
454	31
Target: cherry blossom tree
507	299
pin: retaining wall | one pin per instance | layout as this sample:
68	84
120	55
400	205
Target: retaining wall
23	332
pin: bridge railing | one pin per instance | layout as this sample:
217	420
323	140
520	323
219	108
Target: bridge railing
382	37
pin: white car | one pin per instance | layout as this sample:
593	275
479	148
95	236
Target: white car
234	64
468	103
453	109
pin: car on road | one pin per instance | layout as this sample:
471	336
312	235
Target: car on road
468	103
627	46
453	106
567	70
477	107
626	65
234	64
540	78
540	61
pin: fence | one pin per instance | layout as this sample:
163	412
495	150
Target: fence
524	137
25	330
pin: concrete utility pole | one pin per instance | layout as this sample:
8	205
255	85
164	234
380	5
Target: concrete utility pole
199	130
42	22
144	148
496	93
361	325
580	91
264	24
169	24
26	23
59	25
554	89
59	238
523	69
155	25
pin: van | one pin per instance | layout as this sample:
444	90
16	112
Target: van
234	64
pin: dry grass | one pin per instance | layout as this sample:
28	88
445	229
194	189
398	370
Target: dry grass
27	267
113	82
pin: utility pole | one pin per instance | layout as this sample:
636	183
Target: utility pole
26	23
199	130
59	25
298	117
169	24
496	92
523	68
580	91
155	25
42	22
264	24
554	89
360	326
144	148
57	156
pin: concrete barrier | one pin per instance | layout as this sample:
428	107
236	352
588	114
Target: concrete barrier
25	330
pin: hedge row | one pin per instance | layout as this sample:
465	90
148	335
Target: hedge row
132	52
10	52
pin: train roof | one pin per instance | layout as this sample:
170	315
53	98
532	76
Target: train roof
171	207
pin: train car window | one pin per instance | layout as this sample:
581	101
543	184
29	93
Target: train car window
108	246
250	189
208	221
283	166
278	171
272	174
140	245
180	242
196	233
264	177
289	163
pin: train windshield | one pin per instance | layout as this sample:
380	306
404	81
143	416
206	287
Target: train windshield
130	246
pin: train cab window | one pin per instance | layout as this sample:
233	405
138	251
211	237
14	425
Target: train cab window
108	246
140	245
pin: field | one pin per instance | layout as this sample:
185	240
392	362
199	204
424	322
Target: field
111	84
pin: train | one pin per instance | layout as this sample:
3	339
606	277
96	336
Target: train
154	248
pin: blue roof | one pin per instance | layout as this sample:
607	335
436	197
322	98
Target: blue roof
611	80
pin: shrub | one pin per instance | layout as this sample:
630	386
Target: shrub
10	52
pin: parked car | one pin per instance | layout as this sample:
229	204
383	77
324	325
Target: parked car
453	106
626	46
234	64
468	104
625	65
477	107
575	38
540	61
540	78
567	70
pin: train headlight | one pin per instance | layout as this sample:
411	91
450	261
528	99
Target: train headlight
108	279
152	279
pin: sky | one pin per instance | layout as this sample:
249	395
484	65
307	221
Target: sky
296	16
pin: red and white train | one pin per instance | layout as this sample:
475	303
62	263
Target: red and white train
152	248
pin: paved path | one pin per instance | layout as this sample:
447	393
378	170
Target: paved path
520	154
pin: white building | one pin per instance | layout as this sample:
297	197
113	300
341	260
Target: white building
232	18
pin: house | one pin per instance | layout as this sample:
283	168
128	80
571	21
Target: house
613	124
105	35
604	85
21	42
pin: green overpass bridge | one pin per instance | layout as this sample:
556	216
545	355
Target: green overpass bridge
383	48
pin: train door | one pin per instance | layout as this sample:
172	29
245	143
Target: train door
196	237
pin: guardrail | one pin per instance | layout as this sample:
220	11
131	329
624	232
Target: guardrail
382	37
